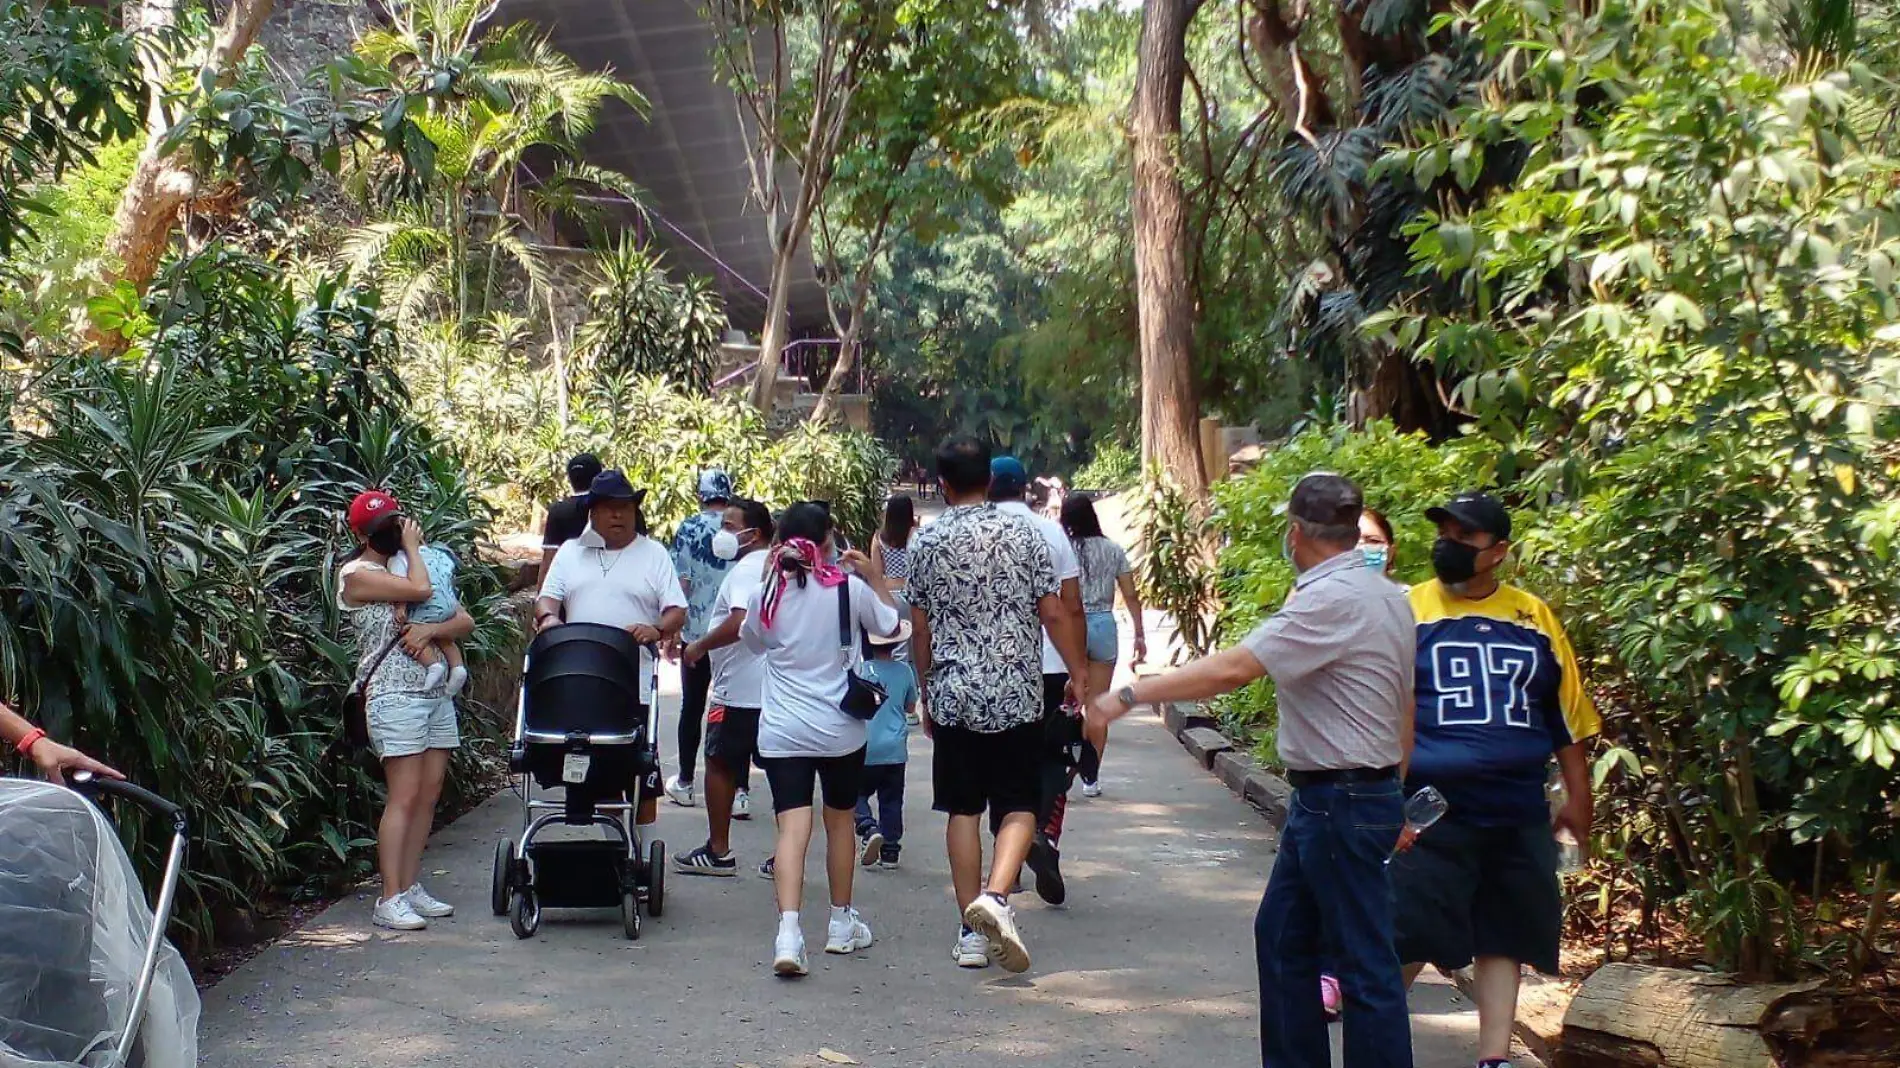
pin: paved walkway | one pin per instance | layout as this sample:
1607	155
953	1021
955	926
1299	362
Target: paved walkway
1150	963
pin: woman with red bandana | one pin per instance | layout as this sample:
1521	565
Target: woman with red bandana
806	739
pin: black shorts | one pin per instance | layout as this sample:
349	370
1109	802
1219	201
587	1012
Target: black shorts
732	737
1002	772
1464	892
795	779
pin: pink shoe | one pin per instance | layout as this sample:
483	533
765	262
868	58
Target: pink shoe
1329	995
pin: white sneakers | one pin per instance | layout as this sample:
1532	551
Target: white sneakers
680	793
847	932
1092	789
996	921
396	914
425	904
742	805
410	910
972	951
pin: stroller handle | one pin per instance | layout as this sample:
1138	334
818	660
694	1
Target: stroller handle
94	785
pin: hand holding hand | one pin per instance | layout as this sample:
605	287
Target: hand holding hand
55	761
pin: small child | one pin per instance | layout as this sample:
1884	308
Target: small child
442	658
886	748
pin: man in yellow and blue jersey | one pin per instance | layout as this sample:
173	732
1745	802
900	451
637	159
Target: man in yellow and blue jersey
1498	693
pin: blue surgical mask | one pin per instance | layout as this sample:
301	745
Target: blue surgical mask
1376	556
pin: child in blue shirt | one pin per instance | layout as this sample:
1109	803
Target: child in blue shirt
886	748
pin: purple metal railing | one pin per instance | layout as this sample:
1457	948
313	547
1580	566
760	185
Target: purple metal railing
810	359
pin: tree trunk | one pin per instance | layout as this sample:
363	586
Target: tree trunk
1170	408
1631	1015
772	336
158	190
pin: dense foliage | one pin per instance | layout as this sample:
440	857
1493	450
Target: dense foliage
643	322
174	522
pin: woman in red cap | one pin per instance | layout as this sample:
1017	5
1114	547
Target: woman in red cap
412	722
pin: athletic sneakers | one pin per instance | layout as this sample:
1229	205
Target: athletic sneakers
769	870
847	932
887	860
788	953
703	861
992	918
742	805
1092	789
1046	862
972	950
425	904
870	847
396	914
680	793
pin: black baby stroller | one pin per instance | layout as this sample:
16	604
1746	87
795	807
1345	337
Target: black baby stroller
87	979
585	724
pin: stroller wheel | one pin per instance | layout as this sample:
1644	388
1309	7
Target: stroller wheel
524	914
630	915
656	878
504	866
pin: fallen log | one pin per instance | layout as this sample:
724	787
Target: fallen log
1638	1016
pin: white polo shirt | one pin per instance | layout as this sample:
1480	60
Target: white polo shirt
1062	555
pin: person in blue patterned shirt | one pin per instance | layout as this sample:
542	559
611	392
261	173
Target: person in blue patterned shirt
701	571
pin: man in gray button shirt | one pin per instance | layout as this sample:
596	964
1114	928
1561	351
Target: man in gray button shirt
1341	652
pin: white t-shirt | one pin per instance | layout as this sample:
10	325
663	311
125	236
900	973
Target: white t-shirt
738	672
1062	555
619	587
804	668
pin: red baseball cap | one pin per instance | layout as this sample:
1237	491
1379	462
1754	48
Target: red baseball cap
368	507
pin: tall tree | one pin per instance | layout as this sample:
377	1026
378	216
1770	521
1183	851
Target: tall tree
917	137
1170	405
795	66
162	184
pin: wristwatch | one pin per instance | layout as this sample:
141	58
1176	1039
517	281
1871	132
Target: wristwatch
1126	695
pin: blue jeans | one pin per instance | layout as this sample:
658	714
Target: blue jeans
1329	890
886	783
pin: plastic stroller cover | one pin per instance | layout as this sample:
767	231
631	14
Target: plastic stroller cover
73	930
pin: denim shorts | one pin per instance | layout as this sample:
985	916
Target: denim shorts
403	724
1104	642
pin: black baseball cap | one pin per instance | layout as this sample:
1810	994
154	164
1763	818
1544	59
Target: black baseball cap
582	468
1474	511
613	486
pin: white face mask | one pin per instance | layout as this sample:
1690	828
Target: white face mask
725	544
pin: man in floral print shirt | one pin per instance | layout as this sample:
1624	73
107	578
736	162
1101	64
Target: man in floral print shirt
982	588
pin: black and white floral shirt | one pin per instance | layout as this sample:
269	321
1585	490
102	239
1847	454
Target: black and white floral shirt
977	574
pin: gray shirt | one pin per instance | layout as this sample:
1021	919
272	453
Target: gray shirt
1341	652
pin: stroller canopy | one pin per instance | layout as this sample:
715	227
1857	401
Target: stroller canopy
73	930
585	678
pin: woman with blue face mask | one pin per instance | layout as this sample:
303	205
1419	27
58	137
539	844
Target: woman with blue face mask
1375	540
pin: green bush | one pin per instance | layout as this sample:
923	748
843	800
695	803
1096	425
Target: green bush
1114	467
1401	475
174	523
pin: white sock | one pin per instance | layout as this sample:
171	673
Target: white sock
788	922
840	913
458	678
434	676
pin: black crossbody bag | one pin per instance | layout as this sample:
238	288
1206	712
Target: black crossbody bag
863	695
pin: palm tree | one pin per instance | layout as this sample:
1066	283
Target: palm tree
483	99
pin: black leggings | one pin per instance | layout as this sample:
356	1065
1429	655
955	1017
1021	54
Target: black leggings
695	683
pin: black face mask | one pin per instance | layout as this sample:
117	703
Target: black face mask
387	540
1454	561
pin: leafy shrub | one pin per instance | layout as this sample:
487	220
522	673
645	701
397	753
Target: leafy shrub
1176	565
1114	467
1712	383
644	323
173	526
1401	476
